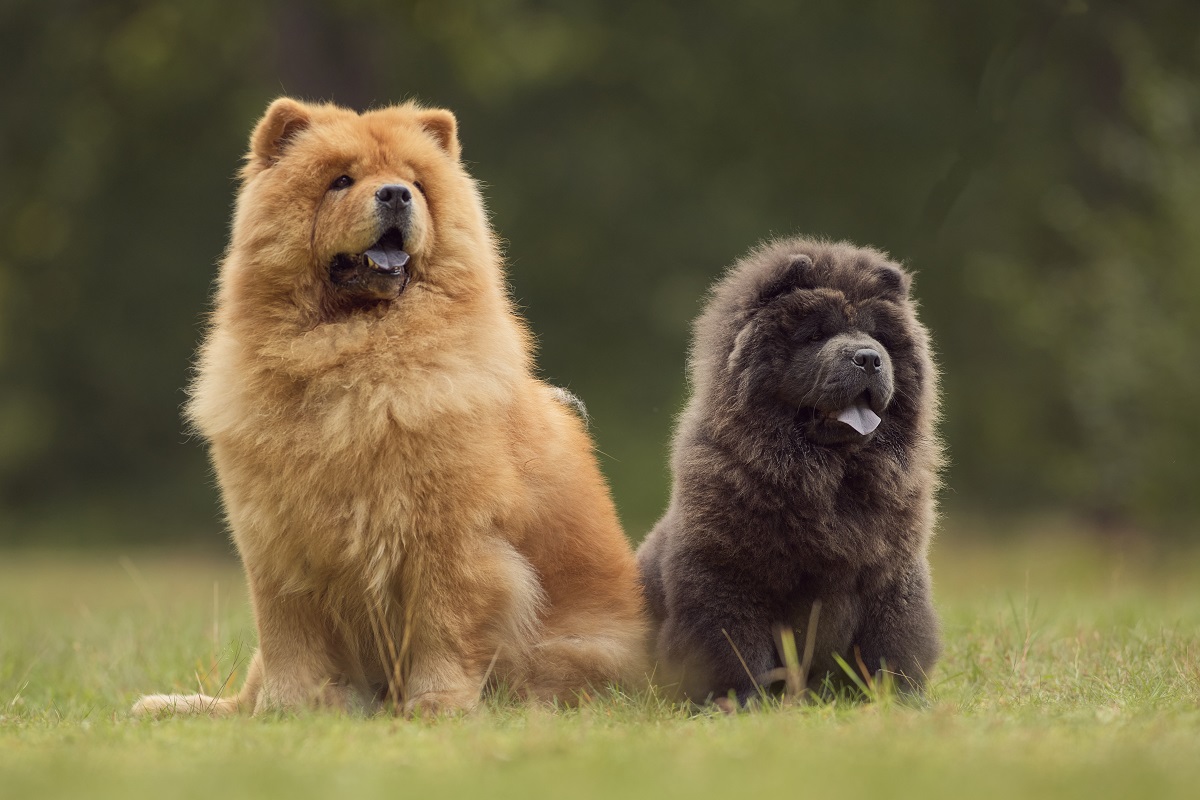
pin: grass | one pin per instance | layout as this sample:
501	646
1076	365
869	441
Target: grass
1072	669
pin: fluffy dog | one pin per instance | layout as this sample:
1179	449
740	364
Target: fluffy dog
805	466
418	516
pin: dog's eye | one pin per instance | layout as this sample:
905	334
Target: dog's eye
420	186
342	182
807	335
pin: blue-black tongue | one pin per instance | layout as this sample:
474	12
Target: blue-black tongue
859	416
387	255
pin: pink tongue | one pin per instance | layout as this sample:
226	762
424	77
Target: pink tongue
860	417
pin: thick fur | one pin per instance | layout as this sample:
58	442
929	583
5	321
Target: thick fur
767	514
418	516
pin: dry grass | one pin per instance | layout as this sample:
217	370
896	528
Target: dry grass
1071	670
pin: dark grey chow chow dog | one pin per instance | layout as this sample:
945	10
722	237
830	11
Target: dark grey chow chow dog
805	466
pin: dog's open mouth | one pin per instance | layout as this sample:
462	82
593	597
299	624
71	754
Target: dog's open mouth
378	273
850	424
387	256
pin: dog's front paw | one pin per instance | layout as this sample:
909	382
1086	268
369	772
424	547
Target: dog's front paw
427	705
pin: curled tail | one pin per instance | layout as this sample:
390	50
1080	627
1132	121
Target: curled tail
162	705
165	705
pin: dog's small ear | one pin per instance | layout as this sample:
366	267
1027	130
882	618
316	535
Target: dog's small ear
892	281
442	125
284	119
791	273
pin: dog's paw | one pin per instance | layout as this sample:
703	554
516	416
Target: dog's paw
427	705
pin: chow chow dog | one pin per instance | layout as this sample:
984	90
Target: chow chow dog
805	466
418	516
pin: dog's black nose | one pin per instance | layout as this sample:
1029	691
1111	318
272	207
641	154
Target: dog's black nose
867	360
394	195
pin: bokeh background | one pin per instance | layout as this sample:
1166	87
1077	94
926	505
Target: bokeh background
1036	162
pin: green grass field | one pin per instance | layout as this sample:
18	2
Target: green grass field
1071	670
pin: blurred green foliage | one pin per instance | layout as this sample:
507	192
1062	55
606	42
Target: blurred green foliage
1037	162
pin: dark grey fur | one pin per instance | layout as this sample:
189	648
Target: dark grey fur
774	504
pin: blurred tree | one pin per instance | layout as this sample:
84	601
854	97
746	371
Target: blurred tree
1080	271
1037	162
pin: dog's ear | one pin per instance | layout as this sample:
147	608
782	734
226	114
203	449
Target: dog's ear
442	125
892	281
284	119
793	272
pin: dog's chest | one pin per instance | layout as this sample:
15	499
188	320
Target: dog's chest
361	505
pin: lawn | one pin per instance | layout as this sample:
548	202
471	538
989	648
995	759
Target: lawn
1072	669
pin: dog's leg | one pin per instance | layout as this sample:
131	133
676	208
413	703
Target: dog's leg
716	644
900	631
298	648
474	616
